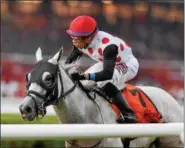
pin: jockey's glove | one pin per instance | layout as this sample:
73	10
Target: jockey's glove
78	76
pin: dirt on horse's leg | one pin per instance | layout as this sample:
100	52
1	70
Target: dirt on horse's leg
142	142
172	141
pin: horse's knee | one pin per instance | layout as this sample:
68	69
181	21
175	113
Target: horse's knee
67	144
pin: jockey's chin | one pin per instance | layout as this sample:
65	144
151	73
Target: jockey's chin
80	46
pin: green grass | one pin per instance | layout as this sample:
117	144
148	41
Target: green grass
16	119
20	143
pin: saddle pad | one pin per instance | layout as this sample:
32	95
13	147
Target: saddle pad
144	109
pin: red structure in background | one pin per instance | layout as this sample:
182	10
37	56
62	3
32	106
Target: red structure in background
165	76
15	72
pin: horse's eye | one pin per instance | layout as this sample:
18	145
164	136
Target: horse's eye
49	81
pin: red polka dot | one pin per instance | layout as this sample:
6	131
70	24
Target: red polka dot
100	51
118	59
100	59
121	47
90	50
105	40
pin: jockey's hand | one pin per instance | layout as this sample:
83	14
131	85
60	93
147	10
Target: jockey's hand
78	76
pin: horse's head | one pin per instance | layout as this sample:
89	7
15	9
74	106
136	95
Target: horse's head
42	86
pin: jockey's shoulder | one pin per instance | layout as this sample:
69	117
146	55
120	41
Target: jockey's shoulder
100	32
103	34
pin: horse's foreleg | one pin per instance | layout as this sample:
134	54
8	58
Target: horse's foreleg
70	145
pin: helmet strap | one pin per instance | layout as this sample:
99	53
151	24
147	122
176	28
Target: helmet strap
86	45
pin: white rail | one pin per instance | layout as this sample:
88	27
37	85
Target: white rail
81	131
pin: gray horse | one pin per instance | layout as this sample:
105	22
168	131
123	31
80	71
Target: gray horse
49	84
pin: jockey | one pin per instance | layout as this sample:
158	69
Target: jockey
115	65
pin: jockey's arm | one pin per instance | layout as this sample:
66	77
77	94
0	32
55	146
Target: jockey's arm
110	54
73	55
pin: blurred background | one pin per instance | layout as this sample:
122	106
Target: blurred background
154	30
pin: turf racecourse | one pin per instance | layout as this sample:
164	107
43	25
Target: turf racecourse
29	143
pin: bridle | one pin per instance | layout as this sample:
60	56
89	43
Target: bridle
51	100
51	97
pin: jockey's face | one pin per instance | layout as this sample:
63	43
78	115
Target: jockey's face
80	42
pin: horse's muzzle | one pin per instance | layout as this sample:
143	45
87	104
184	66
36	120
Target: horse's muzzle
27	109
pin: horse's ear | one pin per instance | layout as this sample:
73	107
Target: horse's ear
57	56
38	54
61	50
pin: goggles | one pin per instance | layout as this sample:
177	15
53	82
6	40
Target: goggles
77	39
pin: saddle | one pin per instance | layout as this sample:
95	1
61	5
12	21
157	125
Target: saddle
142	105
144	109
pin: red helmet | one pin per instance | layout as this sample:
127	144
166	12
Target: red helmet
82	26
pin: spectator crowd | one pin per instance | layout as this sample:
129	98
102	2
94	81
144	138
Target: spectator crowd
154	30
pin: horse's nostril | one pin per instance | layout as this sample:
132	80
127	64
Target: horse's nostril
28	110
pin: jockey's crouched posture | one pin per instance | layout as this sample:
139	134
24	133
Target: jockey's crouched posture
116	63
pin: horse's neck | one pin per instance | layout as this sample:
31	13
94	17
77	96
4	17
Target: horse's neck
76	107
